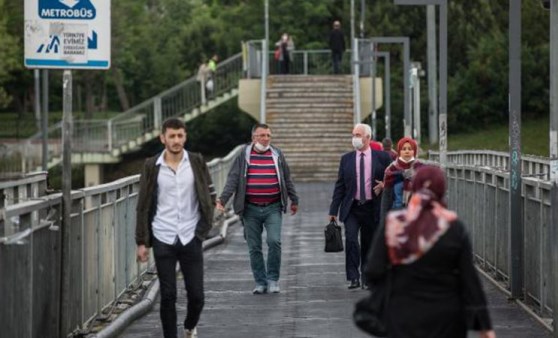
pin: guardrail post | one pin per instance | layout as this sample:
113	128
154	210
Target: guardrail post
305	62
109	131
157	113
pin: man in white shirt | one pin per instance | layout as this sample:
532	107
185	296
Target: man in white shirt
174	215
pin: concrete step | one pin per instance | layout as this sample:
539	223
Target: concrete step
315	178
311	110
304	86
325	122
319	134
308	78
289	102
281	118
310	89
309	95
326	105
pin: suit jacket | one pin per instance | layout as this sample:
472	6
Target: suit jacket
345	187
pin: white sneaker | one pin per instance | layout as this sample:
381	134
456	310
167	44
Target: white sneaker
259	290
191	333
273	286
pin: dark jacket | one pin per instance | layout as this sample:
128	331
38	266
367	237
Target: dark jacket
147	198
336	41
345	187
236	180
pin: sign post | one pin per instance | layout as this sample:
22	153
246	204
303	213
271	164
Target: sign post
67	34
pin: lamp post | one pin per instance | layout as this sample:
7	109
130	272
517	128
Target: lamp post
416	73
265	63
553	6
432	74
443	54
387	92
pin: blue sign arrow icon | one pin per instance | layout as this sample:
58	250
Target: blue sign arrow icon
92	42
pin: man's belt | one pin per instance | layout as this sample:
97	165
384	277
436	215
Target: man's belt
359	203
263	204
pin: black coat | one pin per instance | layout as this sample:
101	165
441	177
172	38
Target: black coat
336	41
437	296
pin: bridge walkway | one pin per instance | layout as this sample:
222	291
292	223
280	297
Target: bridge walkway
314	300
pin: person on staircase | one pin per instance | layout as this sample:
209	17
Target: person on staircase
261	183
356	198
337	46
286	47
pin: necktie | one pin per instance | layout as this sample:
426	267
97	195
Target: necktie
362	180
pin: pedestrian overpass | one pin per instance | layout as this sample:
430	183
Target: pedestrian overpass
98	142
99	290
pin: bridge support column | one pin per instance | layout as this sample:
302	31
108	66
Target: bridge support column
93	174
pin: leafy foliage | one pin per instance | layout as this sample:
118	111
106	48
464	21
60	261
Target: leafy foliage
156	44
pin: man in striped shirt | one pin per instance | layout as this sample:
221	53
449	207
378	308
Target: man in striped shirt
261	182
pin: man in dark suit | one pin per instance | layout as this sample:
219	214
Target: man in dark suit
357	199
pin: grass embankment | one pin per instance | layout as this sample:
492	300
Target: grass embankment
534	138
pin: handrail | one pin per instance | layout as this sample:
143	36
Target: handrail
100	258
532	166
137	124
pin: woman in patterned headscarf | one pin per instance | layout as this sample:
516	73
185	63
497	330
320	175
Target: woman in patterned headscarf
397	177
426	253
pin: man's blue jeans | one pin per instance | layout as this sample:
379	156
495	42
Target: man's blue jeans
255	219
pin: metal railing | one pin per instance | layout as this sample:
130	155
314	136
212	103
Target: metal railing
134	126
478	190
23	189
311	62
101	255
305	62
531	166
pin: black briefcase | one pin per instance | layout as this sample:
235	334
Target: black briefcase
333	237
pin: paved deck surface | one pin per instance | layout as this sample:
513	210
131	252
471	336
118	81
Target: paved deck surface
314	300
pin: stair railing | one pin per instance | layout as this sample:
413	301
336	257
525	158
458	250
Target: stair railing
110	135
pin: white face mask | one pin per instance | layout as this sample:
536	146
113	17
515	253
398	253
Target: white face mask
260	147
357	142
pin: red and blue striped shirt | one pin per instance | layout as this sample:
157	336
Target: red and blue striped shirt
262	182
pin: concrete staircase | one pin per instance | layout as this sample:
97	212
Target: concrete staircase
312	120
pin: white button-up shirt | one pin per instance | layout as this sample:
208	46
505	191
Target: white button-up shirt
177	203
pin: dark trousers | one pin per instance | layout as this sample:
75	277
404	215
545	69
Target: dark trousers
285	65
190	258
361	219
336	57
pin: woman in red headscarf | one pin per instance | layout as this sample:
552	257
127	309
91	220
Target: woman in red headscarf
397	177
434	288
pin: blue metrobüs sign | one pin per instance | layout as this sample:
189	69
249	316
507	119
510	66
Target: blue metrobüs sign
67	9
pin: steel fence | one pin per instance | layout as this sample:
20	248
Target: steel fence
100	256
480	195
531	166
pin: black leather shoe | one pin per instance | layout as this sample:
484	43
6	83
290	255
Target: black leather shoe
355	284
